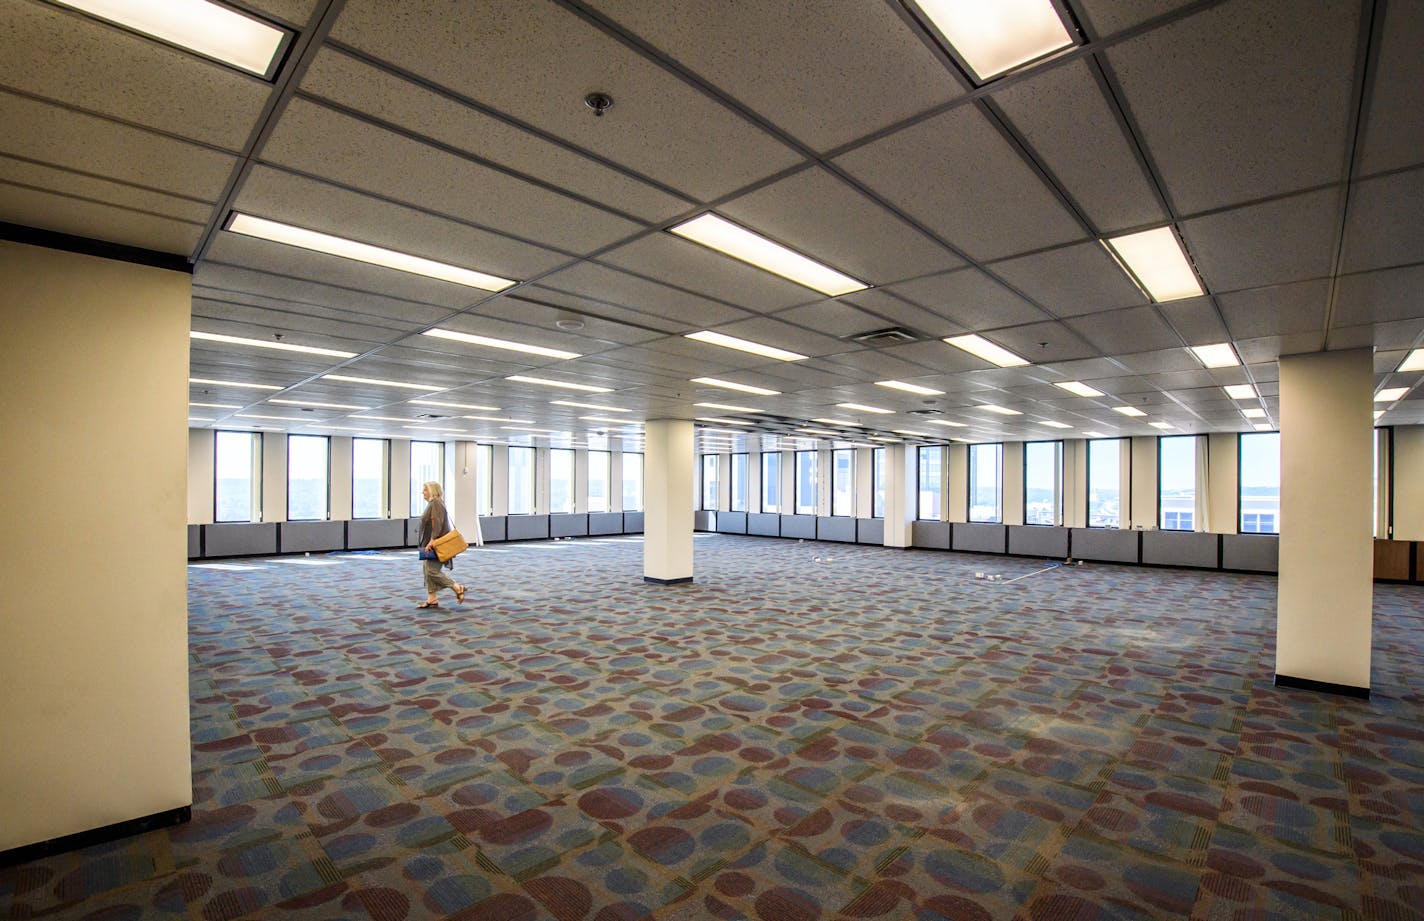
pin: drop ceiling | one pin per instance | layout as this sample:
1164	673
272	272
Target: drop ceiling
1283	142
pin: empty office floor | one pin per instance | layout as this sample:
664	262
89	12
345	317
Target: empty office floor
807	731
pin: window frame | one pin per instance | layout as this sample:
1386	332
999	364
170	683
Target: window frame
798	500
416	484
713	481
771	483
1058	491
254	485
533	479
1240	483
1196	480
836	477
325	480
1122	510
877	482
624	479
999	483
743	481
385	499
940	488
607	467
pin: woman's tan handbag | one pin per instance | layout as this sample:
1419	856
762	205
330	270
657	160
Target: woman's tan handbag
449	545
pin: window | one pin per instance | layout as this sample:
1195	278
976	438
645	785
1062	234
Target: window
370	477
1105	483
843	481
561	481
1043	482
600	471
709	482
1261	483
427	465
237	480
739	482
877	476
484	480
986	483
308	464
771	482
632	482
1177	482
931	483
805	482
521	480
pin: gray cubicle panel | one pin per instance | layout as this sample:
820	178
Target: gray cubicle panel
562	525
195	541
802	527
239	539
527	527
979	537
764	524
412	531
375	533
870	531
632	522
837	528
1105	545
1038	540
1179	548
600	523
704	520
731	522
1250	552
932	535
492	528
313	536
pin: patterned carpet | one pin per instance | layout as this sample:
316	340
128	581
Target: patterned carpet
808	731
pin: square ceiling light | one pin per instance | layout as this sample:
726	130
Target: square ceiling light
1390	394
994	38
1216	355
1240	391
204	28
1414	361
715	232
1079	388
1155	260
300	237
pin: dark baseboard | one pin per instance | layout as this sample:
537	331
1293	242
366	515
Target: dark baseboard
95	836
1324	687
681	581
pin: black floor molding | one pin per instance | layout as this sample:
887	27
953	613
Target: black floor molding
94	836
1324	687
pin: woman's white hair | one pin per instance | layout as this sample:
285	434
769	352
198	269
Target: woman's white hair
435	491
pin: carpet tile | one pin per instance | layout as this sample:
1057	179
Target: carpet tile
806	732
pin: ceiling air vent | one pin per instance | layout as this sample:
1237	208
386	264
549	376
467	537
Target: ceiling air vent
893	335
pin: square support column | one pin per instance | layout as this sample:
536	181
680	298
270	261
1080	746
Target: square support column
1324	609
668	486
899	495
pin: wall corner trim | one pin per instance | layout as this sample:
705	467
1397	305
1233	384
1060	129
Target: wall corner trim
53	239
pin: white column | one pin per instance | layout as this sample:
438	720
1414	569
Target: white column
667	519
274	476
1323	617
1013	482
1142	501
956	490
461	486
1409	482
338	478
899	495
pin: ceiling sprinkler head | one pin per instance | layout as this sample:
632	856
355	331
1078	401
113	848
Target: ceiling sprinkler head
569	323
598	102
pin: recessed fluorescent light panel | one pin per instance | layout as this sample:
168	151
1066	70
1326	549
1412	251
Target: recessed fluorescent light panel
316	405
203	28
1216	355
1055	425
745	345
278	418
862	408
1129	411
911	434
1001	410
378	382
605	409
615	421
505	344
217	405
729	385
498	419
1254	413
1155	260
545	382
823	432
946	423
721	421
1094	435
727	407
204	380
1079	388
1160	425
1388	395
1414	362
492	409
264	344
910	388
994	38
725	237
1240	391
840	422
264	229
980	347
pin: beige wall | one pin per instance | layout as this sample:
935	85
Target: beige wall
93	639
1223	456
201	483
1409	482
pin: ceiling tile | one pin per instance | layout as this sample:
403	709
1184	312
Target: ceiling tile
660	126
833	316
971	298
1062	112
1383	229
607	284
1393	134
1276	311
956	175
787	62
299	295
1042	343
1379	297
519	309
1108	17
30	207
328	144
1196	318
1072	280
1198	88
345	80
680	263
1286	240
589	307
1121	331
38	176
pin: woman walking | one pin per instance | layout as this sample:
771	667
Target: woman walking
435	522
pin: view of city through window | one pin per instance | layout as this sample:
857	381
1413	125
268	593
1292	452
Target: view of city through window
931	483
632	482
806	482
1261	483
1177	482
986	483
1043	474
771	482
1105	483
368	477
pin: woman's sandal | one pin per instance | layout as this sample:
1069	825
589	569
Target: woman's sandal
427	604
459	594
